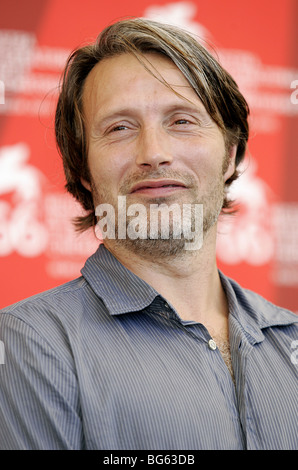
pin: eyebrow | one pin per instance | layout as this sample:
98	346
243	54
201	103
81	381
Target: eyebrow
131	112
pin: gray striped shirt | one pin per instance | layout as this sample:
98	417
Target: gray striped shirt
103	362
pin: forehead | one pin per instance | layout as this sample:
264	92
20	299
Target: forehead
124	77
126	64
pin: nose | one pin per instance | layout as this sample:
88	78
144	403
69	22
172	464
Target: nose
153	148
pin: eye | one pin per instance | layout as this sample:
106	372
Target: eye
181	121
119	131
118	128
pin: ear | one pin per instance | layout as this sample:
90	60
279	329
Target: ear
86	184
231	162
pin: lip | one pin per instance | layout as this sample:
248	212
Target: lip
153	187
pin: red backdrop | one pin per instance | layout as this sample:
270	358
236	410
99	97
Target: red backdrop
256	41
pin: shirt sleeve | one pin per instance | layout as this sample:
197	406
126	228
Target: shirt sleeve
39	403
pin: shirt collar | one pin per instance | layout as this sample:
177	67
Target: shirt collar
122	292
119	288
252	311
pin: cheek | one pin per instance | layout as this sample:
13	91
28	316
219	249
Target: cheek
107	168
206	160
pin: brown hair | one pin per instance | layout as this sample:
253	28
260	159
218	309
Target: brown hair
213	85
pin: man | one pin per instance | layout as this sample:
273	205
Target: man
153	347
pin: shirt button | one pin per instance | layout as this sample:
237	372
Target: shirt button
212	344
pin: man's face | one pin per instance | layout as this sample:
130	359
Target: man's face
149	144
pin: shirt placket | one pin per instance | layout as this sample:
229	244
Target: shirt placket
241	350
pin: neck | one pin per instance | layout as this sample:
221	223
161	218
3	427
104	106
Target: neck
189	281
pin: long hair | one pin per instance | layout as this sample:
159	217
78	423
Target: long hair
211	82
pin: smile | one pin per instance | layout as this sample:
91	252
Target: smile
156	187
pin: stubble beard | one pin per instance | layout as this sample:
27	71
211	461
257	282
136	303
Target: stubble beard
159	247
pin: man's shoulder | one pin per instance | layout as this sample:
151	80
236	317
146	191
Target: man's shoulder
56	298
44	320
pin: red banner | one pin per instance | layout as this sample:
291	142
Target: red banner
254	40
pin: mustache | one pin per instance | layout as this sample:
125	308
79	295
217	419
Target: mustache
138	177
